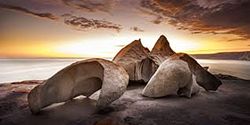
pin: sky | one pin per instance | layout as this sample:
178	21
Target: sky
100	28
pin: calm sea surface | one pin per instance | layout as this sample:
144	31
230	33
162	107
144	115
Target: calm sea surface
12	70
236	68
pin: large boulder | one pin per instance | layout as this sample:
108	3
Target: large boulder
161	50
204	78
171	78
81	78
134	59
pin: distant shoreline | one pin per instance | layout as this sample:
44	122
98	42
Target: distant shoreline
28	69
244	55
225	56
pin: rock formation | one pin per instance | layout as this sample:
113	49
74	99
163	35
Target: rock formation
81	78
134	59
172	77
194	89
161	50
142	64
203	77
178	73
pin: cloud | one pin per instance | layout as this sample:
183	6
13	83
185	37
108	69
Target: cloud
78	23
203	16
158	20
91	5
237	39
24	10
82	23
136	29
120	46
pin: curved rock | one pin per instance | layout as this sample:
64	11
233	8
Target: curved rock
186	91
203	77
161	50
171	78
134	59
81	78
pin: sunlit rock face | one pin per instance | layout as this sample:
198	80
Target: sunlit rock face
171	78
139	62
81	78
178	73
161	50
204	78
134	59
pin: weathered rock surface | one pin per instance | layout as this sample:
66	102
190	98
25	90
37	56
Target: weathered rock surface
203	77
81	78
161	50
142	64
171	78
229	105
134	59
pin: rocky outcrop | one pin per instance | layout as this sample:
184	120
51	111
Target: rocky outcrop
81	78
178	73
161	50
139	62
172	77
203	77
142	64
134	59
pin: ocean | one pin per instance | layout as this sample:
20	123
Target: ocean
13	70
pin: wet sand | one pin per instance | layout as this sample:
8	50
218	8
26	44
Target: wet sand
229	105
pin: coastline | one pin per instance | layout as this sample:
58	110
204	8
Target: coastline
228	105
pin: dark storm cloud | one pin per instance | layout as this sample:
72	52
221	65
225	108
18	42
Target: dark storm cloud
37	14
136	29
82	23
204	16
90	5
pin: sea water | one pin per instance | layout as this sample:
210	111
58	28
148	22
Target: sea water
13	70
238	68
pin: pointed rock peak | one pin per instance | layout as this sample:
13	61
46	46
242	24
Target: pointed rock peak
162	46
135	42
163	38
134	59
135	48
162	41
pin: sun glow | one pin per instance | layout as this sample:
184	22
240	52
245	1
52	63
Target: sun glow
87	49
180	45
108	48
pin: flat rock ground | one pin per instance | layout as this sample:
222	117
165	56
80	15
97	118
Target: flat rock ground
230	105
